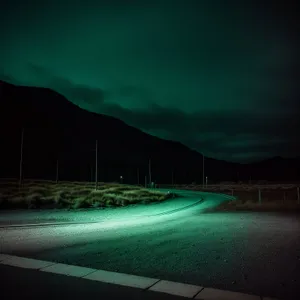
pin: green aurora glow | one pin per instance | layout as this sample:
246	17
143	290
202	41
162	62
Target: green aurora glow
222	77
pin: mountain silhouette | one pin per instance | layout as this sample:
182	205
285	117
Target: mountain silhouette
55	129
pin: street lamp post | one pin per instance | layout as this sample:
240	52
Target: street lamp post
21	158
203	169
149	171
96	166
56	178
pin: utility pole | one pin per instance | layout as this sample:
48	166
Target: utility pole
203	169
150	171
21	158
56	172
96	166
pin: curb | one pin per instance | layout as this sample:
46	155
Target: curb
134	281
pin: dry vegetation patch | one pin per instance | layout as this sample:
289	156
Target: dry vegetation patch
48	194
254	197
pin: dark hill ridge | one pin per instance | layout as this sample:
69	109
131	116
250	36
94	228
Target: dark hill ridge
55	128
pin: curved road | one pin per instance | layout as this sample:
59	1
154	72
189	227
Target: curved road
47	217
254	253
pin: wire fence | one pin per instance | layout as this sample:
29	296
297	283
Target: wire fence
250	193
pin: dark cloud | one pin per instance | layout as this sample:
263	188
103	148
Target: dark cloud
220	76
78	93
235	135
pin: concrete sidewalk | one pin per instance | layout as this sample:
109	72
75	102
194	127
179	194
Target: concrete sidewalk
30	278
19	283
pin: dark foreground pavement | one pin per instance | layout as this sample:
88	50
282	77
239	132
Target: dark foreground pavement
251	253
18	283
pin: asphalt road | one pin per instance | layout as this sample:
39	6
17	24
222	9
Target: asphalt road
254	253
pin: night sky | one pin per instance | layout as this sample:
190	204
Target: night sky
222	77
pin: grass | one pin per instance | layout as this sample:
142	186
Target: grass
274	197
47	194
250	205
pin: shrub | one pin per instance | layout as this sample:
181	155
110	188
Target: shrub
18	201
81	202
35	193
108	201
34	200
63	198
